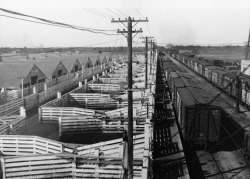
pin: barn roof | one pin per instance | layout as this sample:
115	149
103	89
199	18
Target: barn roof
11	73
11	70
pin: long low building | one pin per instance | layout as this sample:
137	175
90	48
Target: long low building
40	70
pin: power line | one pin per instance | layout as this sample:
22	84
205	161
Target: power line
100	14
17	18
119	11
113	12
50	21
58	24
137	10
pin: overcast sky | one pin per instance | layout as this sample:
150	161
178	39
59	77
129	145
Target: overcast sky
170	21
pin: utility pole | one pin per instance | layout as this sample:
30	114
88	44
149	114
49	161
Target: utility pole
153	47
128	169
238	81
147	38
247	46
238	93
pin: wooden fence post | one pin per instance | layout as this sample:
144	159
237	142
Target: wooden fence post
74	167
60	126
34	90
146	153
59	95
86	84
3	167
80	84
45	88
40	115
86	103
22	111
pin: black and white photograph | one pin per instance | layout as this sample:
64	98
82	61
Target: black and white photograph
125	89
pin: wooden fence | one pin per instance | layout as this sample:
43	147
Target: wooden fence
138	111
65	166
115	75
26	145
94	124
52	114
113	148
104	88
79	124
11	124
93	100
113	80
11	107
35	157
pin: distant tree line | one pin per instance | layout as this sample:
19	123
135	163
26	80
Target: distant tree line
68	49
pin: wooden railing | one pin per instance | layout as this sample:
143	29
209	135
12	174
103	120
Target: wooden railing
52	114
11	107
11	124
94	100
113	80
94	124
65	166
25	145
79	124
113	148
138	111
104	88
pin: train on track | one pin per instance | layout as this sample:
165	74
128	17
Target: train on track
222	78
199	119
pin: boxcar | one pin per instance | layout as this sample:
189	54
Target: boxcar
245	89
217	77
200	122
229	84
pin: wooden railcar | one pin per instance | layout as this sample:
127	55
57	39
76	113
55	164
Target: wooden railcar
199	120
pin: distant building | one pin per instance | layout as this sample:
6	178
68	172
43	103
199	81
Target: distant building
34	76
89	63
245	67
60	70
77	66
38	71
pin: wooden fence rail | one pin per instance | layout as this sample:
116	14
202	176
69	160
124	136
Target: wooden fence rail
93	124
11	107
113	80
11	124
93	100
26	145
52	114
113	148
65	166
104	88
79	124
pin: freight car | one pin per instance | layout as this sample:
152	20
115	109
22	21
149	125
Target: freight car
199	120
220	77
237	124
